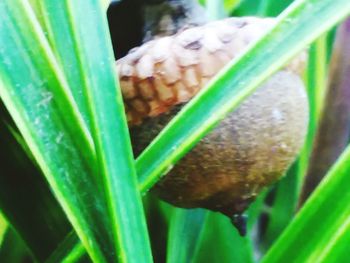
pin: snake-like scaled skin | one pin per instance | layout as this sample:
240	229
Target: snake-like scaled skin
170	70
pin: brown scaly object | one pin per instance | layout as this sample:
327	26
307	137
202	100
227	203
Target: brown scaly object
249	149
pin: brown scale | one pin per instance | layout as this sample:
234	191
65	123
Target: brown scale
155	71
250	149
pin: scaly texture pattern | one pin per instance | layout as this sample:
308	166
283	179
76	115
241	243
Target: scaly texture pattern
250	149
171	70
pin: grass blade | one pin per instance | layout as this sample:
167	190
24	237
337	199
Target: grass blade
13	249
110	131
230	5
316	78
284	206
3	228
236	248
272	7
158	218
321	220
186	227
75	255
95	72
69	53
32	211
37	96
221	242
56	25
247	8
338	249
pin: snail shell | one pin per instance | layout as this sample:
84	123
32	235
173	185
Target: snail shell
250	149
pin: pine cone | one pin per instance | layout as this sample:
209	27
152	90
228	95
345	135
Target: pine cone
250	149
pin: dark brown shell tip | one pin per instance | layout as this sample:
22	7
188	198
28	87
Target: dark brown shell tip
240	223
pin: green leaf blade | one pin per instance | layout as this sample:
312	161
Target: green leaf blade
110	132
36	94
320	212
57	26
222	243
284	205
3	228
186	227
32	211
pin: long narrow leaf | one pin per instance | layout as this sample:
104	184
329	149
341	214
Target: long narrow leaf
222	243
3	228
37	96
110	131
13	249
99	77
25	198
316	78
186	227
247	8
273	7
76	254
56	26
322	220
338	249
284	205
